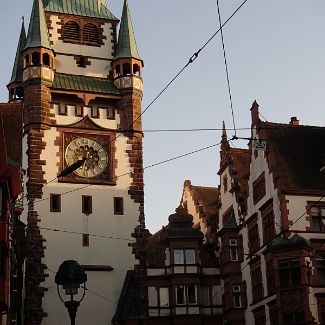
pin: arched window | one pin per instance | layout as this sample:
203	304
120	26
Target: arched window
126	69
136	70
12	93
117	70
46	59
90	34
20	92
26	60
36	58
71	31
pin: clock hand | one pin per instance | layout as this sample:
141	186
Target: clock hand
72	167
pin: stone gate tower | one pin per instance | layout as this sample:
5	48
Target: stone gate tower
81	88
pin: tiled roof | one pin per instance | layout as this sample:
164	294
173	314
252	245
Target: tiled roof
37	35
84	84
87	8
13	129
17	71
298	153
126	46
208	198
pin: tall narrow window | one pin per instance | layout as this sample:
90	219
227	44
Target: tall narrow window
55	202
87	204
46	59
180	295
289	272
259	189
95	112
36	58
71	32
118	205
268	224
253	236
257	284
233	250
79	110
236	296
318	218
163	297
85	240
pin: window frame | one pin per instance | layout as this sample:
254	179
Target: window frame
317	217
118	206
77	107
87	204
85	240
54	197
286	274
236	296
183	260
185	294
94	109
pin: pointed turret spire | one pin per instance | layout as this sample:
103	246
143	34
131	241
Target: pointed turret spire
37	32
224	137
17	70
126	45
224	153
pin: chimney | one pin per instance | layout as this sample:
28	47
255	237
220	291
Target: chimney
294	121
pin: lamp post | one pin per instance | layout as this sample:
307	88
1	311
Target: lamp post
71	275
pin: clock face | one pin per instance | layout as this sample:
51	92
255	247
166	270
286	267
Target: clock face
95	154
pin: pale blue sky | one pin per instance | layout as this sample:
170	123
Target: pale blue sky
276	55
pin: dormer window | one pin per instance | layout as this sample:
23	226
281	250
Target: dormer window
71	32
184	256
90	34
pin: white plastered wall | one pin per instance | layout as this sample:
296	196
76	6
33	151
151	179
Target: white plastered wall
62	245
100	57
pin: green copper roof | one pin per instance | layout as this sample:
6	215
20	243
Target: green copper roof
37	32
126	45
295	241
17	70
84	84
87	8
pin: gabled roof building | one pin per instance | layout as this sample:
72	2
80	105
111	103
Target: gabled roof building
271	225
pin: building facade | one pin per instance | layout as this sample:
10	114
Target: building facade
80	87
11	229
271	225
182	282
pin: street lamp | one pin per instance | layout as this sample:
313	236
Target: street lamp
71	275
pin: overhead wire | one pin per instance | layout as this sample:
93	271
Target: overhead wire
260	251
226	68
191	60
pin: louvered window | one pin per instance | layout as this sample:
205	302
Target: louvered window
71	31
90	34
